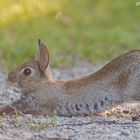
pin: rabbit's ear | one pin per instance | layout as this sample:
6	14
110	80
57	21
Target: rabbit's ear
43	56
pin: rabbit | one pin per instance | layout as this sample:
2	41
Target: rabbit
116	82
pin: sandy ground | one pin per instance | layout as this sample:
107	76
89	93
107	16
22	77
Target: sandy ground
28	127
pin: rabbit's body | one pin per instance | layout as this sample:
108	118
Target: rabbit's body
116	82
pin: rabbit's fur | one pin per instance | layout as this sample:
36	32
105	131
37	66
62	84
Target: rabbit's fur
113	84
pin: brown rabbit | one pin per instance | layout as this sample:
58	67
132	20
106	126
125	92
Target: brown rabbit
114	83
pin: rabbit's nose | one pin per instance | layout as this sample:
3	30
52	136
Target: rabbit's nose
12	77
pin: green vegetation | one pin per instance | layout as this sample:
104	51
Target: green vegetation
88	30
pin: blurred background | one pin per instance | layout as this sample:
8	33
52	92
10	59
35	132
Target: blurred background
76	31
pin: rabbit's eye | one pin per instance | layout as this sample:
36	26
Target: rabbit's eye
27	71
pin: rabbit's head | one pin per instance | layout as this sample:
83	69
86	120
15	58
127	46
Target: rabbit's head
33	72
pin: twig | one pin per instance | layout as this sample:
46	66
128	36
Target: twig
17	110
99	122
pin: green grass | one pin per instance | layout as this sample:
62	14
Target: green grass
90	30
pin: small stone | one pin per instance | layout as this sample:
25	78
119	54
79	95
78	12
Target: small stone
125	111
124	133
134	118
